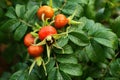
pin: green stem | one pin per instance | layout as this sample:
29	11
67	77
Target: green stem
48	53
52	22
26	23
65	1
27	56
109	64
72	16
34	34
55	9
37	25
50	3
35	40
39	60
41	43
35	30
57	36
67	30
31	67
43	19
56	61
46	22
73	22
55	45
44	68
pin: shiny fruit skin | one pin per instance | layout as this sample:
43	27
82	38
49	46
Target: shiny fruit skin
35	51
60	21
28	39
47	10
46	31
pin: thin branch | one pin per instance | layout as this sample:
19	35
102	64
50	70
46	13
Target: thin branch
26	23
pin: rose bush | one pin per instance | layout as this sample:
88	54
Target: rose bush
74	40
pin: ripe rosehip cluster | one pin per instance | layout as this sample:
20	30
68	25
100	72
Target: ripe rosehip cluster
33	50
44	13
60	19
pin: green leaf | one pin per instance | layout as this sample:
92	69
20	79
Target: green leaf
19	75
72	69
14	26
115	68
97	28
95	52
104	42
59	75
56	74
35	75
88	24
109	37
115	26
67	49
30	4
70	7
5	76
111	78
67	59
62	76
79	38
95	72
19	66
104	13
100	33
20	10
50	65
102	65
1	12
91	27
20	31
52	74
107	11
62	41
29	15
89	78
79	1
109	53
11	13
57	4
99	15
89	9
23	75
10	25
65	76
81	55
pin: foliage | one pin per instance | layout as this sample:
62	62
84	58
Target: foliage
89	50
